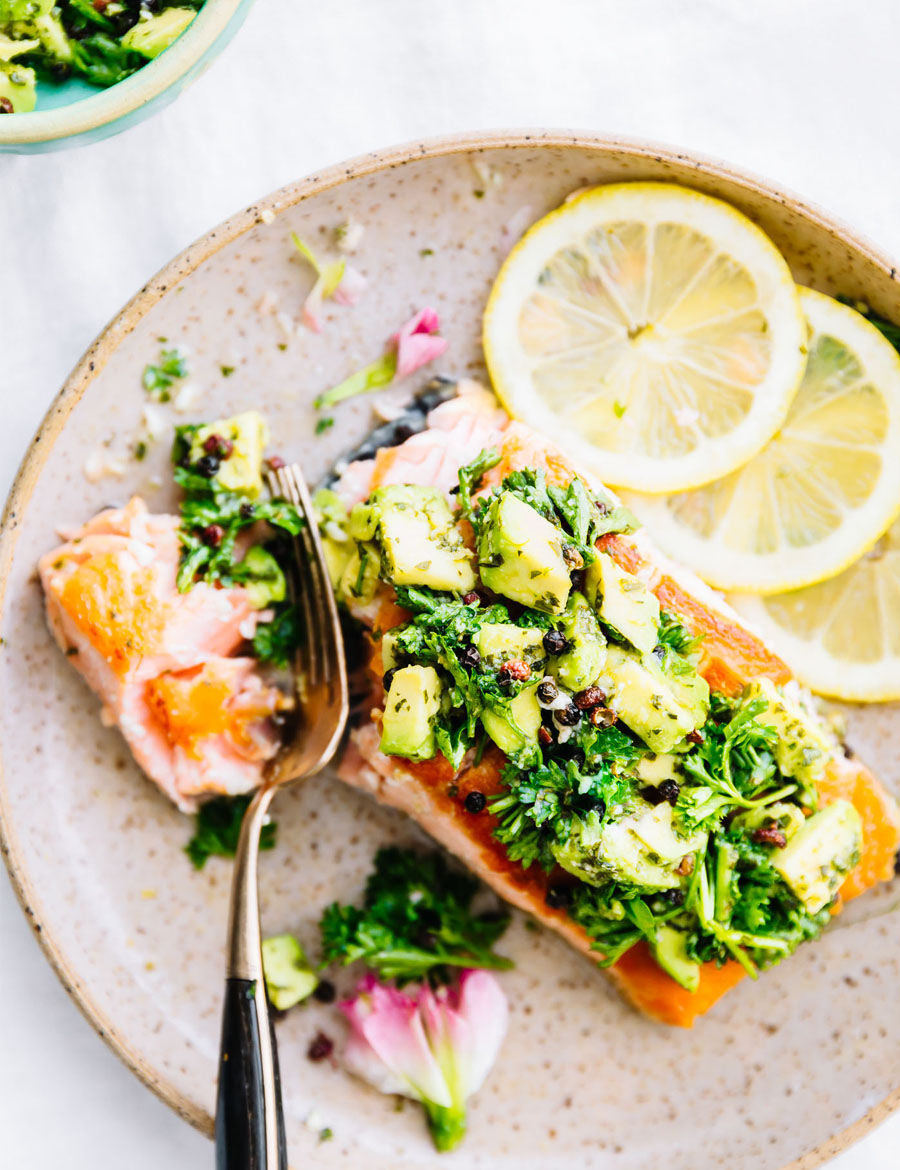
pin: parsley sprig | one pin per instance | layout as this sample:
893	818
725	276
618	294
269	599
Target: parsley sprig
471	475
541	806
416	921
733	768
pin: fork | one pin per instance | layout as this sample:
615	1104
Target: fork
249	1119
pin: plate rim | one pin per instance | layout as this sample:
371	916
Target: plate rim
182	265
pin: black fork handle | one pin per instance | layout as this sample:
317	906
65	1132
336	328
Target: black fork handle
243	1140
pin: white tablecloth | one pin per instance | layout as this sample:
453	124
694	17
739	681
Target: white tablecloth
802	91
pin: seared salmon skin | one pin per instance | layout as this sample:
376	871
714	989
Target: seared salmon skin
433	792
197	717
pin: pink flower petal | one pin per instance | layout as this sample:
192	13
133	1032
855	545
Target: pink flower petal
418	351
483	1005
465	1028
389	1038
450	1038
434	1046
353	285
309	314
363	1061
416	342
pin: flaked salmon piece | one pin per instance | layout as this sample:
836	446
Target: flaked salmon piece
731	656
197	720
457	430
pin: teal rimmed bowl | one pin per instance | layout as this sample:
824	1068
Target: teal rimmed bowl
74	113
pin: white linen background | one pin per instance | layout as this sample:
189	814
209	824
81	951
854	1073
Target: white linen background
801	91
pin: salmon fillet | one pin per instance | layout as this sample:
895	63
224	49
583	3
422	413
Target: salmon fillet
433	794
197	719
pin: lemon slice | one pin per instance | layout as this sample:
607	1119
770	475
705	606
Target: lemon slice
821	491
652	332
842	636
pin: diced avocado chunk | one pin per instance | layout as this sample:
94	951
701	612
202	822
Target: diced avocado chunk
661	707
520	555
517	731
289	977
821	853
265	584
625	602
359	579
53	36
581	853
640	849
248	434
18	84
804	745
781	815
670	951
9	48
653	769
580	666
499	642
337	557
413	701
151	36
336	543
420	543
389	659
23	11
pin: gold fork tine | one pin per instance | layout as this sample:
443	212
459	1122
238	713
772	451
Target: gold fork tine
319	604
289	487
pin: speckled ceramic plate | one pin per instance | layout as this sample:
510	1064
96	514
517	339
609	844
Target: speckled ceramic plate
785	1071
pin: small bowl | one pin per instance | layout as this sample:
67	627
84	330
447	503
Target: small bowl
73	113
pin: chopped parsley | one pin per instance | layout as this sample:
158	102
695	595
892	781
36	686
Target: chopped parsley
159	378
416	921
217	827
542	805
470	477
277	641
212	519
582	515
674	634
732	768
